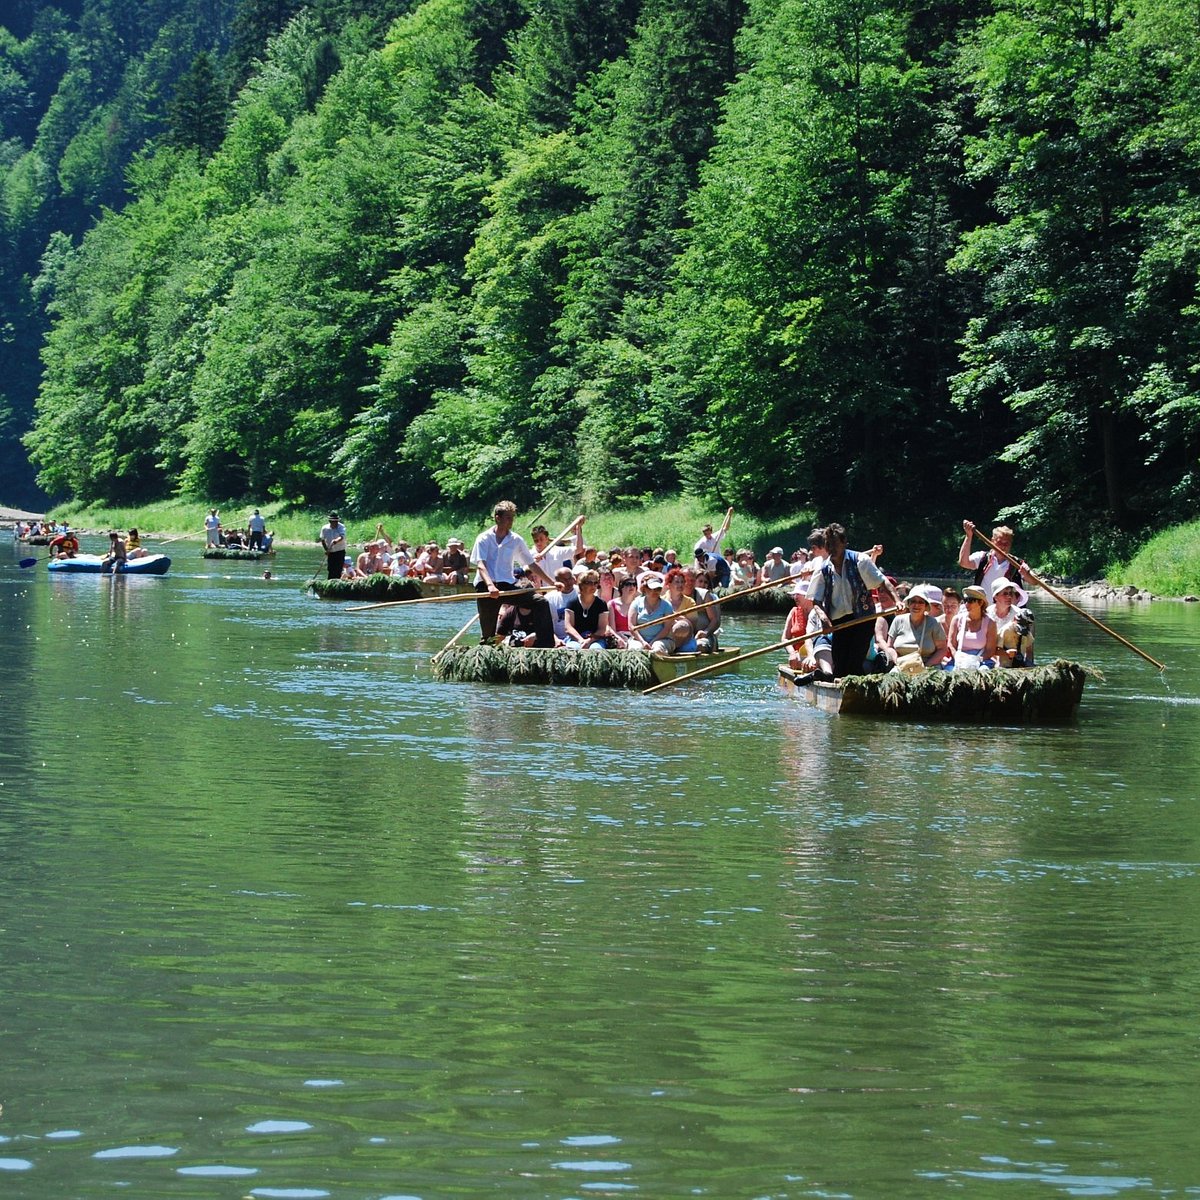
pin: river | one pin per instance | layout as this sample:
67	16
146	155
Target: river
286	918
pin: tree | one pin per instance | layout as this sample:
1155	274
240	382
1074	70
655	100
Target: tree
1070	337
197	112
784	375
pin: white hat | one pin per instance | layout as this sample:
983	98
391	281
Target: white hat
998	585
652	579
801	588
776	550
933	593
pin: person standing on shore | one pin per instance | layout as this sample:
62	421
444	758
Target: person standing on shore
333	542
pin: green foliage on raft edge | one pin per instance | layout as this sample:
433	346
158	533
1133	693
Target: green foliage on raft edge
772	600
629	669
374	587
1048	694
242	555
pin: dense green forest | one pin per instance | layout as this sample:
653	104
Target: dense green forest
872	256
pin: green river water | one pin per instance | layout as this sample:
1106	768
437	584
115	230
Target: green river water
285	918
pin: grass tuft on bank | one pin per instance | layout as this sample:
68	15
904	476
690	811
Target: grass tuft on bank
1168	564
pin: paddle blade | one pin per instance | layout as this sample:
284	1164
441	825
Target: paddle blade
27	562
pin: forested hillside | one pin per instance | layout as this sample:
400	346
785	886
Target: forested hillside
870	255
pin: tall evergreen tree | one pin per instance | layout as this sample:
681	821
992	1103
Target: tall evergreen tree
197	113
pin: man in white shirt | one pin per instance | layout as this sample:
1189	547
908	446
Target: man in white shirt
333	542
988	565
212	528
495	553
710	542
257	526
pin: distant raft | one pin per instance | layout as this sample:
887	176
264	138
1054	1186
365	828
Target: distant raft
778	600
92	564
243	555
375	587
1048	695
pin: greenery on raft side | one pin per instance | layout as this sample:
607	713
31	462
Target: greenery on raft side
670	523
1168	564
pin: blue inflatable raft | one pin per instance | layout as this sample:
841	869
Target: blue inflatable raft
90	564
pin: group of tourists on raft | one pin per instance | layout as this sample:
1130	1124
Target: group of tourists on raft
631	599
985	626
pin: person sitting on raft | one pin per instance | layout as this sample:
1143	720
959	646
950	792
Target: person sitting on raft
1014	624
585	618
679	634
618	614
814	655
707	615
842	589
454	562
915	639
133	546
370	561
526	622
114	560
651	610
66	545
972	636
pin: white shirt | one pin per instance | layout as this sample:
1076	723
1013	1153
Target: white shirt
709	544
499	557
554	557
558	606
257	524
997	568
841	597
333	539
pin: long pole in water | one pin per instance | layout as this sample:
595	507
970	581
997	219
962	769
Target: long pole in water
987	541
456	637
724	664
438	599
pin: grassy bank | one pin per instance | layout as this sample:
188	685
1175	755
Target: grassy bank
926	545
1168	564
673	523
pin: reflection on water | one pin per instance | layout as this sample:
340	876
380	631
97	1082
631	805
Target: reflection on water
288	919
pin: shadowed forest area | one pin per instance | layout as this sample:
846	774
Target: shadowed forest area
905	258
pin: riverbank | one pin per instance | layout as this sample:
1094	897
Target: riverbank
668	523
1168	566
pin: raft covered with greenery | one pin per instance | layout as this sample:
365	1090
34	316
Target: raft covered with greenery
243	555
770	601
629	669
374	587
1046	695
